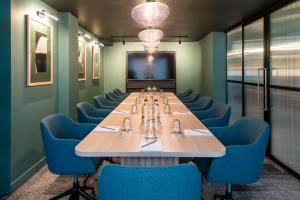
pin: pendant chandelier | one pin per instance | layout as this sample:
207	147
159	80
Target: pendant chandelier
151	44
151	49
151	35
150	14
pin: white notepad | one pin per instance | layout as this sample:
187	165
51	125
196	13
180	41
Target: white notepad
182	113
120	112
125	103
107	129
155	146
197	132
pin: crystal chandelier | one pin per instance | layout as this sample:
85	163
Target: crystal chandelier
151	35
150	14
151	44
151	49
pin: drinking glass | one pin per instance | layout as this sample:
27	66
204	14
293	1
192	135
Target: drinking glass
144	111
176	126
167	109
157	113
126	124
166	101
150	130
134	109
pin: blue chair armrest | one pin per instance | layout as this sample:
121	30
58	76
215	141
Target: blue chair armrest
215	122
241	165
226	135
81	130
62	158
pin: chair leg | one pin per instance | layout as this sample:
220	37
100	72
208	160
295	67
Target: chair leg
227	196
76	191
66	193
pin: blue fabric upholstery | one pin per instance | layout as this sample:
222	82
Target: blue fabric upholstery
87	113
216	116
119	98
184	94
110	98
60	136
191	98
105	102
203	103
179	182
246	142
120	93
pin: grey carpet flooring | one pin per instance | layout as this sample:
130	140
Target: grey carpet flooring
274	184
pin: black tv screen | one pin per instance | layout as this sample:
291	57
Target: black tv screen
155	66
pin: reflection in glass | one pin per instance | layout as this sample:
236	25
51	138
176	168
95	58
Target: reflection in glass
285	122
234	92
234	54
254	50
285	46
253	106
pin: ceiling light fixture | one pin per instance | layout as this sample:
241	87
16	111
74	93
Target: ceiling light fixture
151	44
151	49
151	35
43	14
150	13
99	43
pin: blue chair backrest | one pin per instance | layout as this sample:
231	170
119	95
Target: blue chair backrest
105	101
87	109
179	182
219	110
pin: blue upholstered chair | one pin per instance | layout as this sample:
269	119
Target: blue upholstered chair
87	113
180	182
60	136
111	98
246	142
113	95
191	98
202	103
184	94
216	116
105	102
100	105
120	93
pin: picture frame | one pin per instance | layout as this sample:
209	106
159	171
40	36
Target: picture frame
96	61
81	59
39	52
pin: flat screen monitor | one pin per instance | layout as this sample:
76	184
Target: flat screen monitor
155	66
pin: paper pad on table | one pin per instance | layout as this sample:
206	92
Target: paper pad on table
156	146
126	103
107	129
197	132
120	112
182	113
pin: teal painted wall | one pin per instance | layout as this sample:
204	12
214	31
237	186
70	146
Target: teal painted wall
5	96
213	80
91	87
188	64
29	104
23	107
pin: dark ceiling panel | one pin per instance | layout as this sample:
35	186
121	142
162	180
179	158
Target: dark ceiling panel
192	18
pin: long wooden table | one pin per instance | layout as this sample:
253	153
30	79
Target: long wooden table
127	145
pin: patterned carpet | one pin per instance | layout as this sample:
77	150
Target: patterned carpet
274	184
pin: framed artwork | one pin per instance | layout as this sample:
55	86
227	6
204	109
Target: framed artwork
81	59
39	52
96	62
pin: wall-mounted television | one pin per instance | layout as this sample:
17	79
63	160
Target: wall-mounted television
155	66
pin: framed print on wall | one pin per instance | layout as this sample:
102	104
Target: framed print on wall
39	52
96	62
81	59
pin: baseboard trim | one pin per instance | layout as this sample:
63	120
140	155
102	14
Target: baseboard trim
4	189
15	184
284	166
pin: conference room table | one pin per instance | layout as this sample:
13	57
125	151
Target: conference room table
129	146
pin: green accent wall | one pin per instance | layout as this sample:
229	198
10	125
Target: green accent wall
5	96
213	79
22	107
188	64
29	104
91	87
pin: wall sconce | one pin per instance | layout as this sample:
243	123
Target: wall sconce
179	40
87	36
99	43
44	14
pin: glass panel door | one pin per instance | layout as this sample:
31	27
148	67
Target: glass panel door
254	70
285	84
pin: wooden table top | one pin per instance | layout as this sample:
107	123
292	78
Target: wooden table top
122	144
